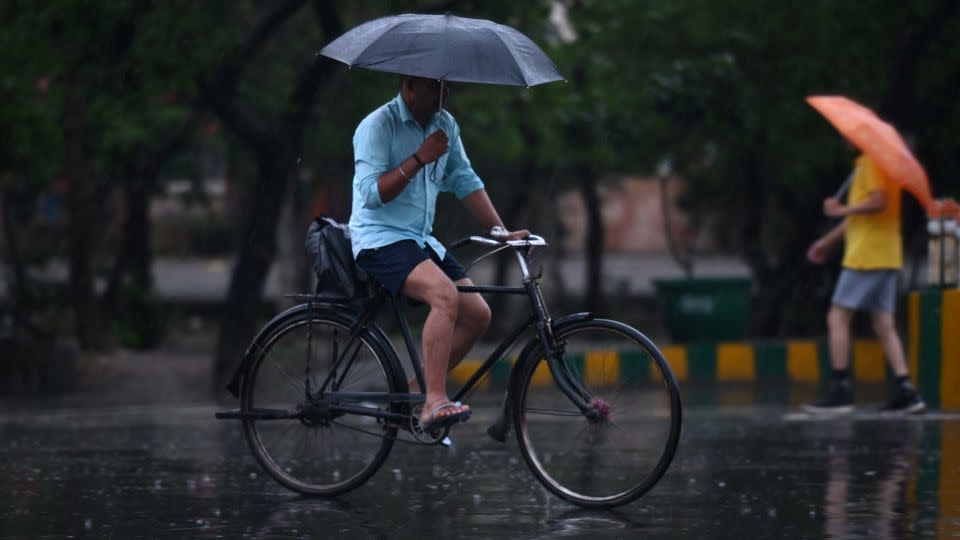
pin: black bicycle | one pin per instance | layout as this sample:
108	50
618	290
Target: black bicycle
323	395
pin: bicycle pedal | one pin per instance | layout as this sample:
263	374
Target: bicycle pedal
447	441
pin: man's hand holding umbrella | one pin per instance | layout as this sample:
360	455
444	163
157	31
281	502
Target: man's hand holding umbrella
435	145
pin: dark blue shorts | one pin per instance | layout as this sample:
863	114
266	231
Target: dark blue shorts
391	264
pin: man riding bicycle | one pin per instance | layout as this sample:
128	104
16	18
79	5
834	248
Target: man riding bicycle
405	153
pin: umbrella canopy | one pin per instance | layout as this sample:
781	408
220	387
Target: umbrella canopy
877	139
447	48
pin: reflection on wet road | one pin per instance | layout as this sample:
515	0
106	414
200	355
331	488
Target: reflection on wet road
749	472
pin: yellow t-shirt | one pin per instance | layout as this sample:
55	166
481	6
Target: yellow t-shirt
872	241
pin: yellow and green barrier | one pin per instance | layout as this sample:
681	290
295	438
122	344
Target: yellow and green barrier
934	345
933	339
803	361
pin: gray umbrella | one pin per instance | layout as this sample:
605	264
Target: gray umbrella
447	48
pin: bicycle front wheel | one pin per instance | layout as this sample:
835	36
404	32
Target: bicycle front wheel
625	448
317	454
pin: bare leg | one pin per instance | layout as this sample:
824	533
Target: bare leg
886	331
430	285
838	325
473	318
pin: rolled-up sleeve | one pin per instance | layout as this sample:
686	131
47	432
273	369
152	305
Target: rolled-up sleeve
371	151
460	178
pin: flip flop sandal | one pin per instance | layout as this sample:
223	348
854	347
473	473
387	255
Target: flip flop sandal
435	423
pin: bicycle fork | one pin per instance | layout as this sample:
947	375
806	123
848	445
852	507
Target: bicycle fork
568	382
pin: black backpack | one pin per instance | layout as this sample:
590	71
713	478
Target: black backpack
338	276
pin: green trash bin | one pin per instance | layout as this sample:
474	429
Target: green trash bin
705	309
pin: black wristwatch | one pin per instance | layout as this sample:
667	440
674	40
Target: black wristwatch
418	160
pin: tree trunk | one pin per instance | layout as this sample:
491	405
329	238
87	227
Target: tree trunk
239	316
80	206
915	41
135	256
593	248
19	294
784	286
277	148
501	318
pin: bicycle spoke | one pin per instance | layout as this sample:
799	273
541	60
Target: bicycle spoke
346	369
580	433
296	386
356	429
615	399
554	412
619	456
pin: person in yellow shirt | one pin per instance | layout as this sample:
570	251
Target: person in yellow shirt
872	258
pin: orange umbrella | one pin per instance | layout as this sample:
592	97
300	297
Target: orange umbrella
948	208
877	139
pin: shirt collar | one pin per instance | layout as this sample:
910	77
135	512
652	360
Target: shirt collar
405	114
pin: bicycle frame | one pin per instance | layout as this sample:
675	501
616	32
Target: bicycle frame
539	318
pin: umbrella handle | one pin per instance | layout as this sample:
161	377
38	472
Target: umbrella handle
433	173
844	187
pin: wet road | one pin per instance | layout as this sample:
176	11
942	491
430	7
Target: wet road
740	472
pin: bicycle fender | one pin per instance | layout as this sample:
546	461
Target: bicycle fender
234	385
236	380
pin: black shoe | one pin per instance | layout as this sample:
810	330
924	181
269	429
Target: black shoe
837	400
906	401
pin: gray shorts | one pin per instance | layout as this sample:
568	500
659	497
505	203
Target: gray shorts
871	290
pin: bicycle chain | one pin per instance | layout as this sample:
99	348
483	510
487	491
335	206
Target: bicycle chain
395	437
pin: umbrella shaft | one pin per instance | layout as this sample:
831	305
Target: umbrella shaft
844	187
442	83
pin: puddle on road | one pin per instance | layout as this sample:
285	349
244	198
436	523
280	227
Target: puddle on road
733	477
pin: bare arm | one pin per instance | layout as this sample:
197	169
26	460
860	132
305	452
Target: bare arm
818	251
482	209
392	182
876	202
835	234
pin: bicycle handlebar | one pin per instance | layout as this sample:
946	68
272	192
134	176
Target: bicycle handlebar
532	240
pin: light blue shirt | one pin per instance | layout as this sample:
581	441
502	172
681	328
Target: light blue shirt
384	139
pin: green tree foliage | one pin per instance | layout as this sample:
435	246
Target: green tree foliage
91	92
105	92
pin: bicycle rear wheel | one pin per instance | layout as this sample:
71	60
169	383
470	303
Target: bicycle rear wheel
622	453
317	453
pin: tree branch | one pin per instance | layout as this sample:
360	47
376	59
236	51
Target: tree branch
219	90
232	68
244	124
173	142
914	44
305	91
